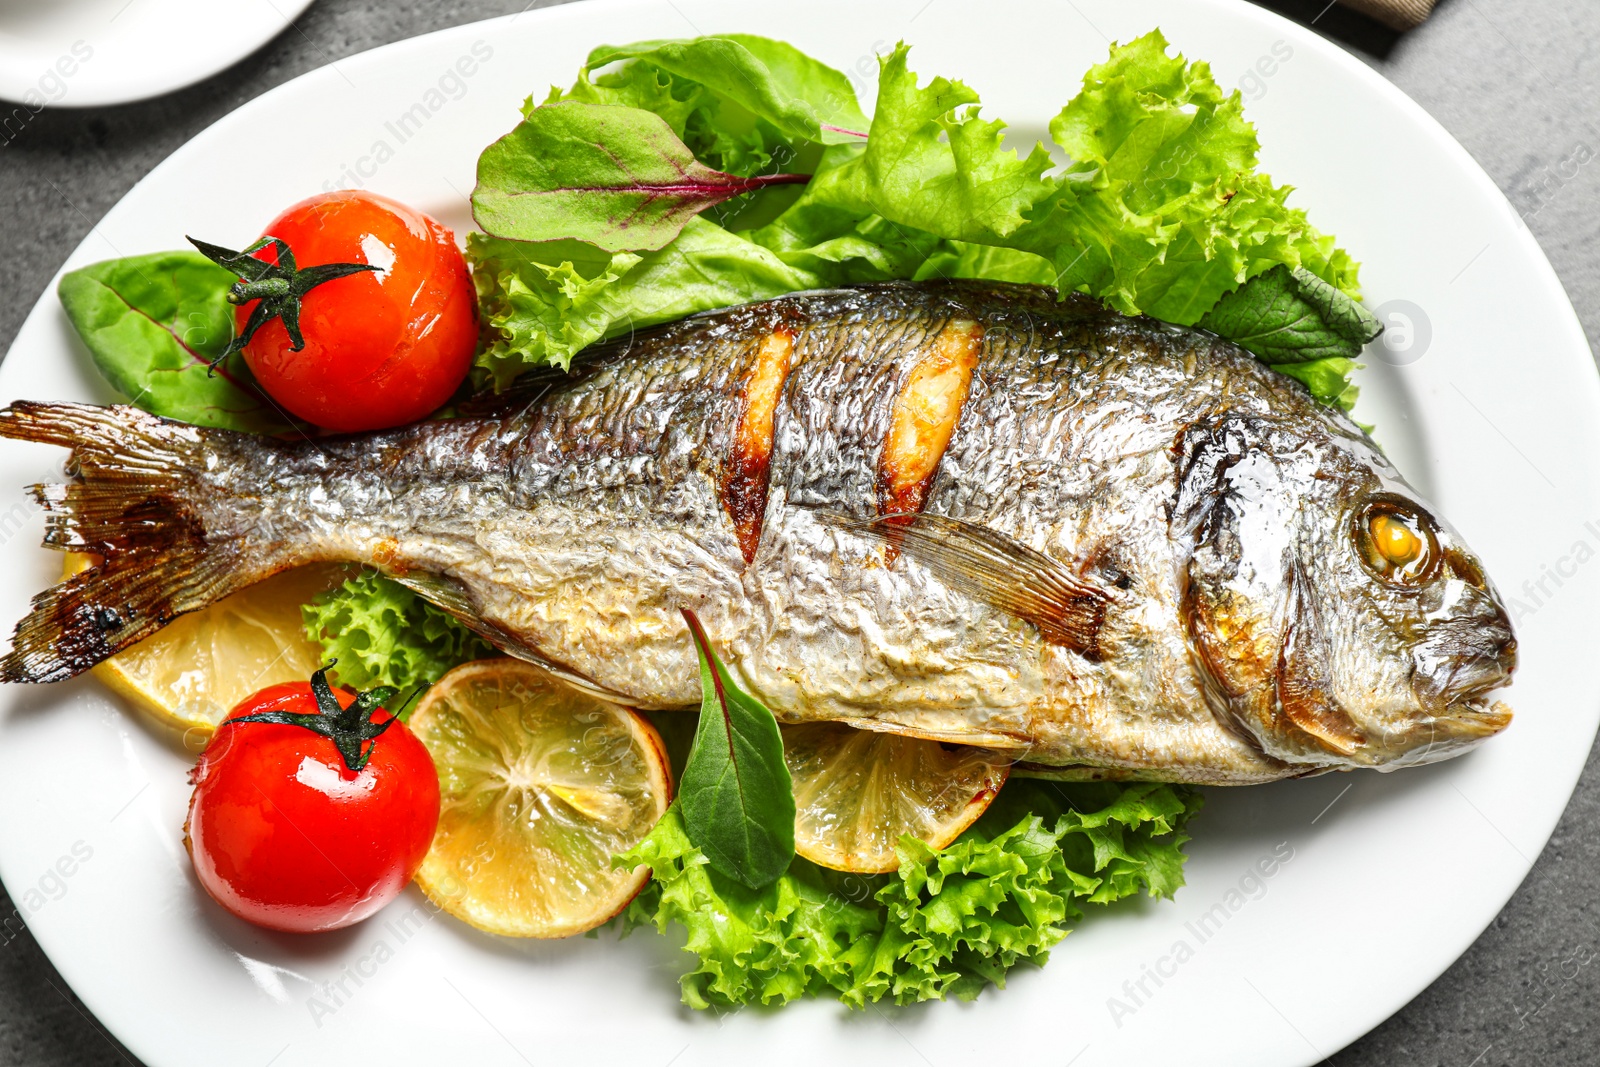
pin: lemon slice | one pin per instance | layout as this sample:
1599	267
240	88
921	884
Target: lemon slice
193	671
540	786
857	791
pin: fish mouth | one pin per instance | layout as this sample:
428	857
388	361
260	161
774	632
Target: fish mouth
1477	717
1465	656
1462	724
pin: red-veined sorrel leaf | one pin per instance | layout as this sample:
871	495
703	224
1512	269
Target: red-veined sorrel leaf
615	177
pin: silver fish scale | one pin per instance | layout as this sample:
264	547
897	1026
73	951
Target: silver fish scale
581	522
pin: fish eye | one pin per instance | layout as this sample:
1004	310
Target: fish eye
1397	542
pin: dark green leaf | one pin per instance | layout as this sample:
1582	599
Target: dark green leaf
153	324
735	794
1291	316
615	177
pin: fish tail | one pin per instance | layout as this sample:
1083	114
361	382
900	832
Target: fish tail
139	487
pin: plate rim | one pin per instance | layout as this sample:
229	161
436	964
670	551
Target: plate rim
1415	114
122	92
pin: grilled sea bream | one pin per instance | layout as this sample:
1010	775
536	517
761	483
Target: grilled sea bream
961	511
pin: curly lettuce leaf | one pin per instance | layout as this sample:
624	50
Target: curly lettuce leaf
384	634
767	946
950	923
1161	210
544	303
932	164
1328	379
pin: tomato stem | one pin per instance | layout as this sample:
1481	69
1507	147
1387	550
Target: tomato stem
276	287
351	729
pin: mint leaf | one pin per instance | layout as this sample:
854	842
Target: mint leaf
615	177
153	324
1289	315
735	794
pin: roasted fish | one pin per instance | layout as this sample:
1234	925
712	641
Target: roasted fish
961	511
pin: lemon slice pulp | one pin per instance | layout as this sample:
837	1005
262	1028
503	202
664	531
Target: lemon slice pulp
192	672
540	786
857	791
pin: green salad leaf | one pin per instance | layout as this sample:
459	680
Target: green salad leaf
949	923
771	81
1160	208
384	634
615	177
735	795
153	324
1292	316
542	304
930	163
743	104
1328	379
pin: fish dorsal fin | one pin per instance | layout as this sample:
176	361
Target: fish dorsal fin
996	570
451	597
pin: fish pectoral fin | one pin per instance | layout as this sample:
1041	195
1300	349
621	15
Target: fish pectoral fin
997	570
443	592
451	597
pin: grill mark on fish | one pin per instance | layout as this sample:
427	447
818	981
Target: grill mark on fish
924	418
744	482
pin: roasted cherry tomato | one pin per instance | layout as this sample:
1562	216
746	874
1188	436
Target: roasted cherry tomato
312	807
382	348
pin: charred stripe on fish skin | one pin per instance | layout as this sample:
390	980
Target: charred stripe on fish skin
745	481
924	417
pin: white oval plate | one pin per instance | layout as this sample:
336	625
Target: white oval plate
1377	882
92	53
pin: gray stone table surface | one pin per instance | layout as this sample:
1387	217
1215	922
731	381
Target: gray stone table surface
1516	81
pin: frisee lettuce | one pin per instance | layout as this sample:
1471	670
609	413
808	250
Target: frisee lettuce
1160	210
382	633
950	922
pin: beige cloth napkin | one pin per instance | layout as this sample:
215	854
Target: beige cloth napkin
1397	14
